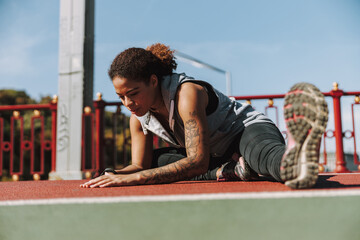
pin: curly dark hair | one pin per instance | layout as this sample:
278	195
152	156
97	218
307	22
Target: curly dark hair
139	64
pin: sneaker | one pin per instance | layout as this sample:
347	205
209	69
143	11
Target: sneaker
306	116
237	169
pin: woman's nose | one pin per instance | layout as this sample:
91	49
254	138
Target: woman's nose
128	102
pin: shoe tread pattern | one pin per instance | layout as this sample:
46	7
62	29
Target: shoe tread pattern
306	115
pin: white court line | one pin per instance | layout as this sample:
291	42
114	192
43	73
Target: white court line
184	197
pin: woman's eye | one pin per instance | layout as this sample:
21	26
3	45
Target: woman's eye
129	95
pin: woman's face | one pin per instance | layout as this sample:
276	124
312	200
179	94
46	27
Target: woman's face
137	96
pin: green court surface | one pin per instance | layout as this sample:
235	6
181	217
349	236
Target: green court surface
286	218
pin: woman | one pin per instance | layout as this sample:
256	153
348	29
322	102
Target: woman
214	137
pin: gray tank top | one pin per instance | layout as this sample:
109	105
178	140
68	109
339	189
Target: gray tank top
225	123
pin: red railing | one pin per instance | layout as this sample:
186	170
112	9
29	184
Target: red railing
93	142
337	133
93	160
96	139
29	145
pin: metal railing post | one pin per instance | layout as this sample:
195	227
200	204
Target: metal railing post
53	108
356	102
336	94
99	106
1	144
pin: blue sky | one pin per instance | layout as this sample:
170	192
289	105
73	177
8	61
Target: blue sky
266	45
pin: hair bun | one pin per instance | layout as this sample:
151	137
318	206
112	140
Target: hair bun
164	53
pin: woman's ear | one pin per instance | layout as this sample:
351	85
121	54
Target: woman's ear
154	81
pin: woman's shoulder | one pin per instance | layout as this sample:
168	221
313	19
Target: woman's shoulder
190	92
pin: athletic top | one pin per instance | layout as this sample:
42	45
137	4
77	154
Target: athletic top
225	116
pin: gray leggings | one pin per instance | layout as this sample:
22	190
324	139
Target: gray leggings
261	145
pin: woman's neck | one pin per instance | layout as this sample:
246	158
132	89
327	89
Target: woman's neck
159	105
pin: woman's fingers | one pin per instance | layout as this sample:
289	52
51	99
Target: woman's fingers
92	182
110	180
109	184
102	181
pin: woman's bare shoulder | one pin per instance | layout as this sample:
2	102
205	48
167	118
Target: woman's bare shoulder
192	93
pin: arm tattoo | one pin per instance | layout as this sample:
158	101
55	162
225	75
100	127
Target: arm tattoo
192	137
184	168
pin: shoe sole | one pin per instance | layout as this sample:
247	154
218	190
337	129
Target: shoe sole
306	116
244	171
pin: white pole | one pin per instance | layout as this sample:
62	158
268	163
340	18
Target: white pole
75	84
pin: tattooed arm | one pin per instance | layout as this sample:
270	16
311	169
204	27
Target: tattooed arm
192	100
141	153
141	148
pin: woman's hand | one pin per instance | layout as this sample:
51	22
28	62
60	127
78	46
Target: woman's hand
112	180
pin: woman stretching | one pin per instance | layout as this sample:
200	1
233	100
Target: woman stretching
213	137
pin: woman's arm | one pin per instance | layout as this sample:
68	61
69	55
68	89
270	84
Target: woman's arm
141	148
192	102
141	153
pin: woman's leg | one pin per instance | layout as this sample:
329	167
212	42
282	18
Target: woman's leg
168	155
263	146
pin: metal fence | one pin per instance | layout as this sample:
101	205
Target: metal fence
31	153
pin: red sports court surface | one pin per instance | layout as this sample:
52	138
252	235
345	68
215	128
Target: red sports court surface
70	189
263	209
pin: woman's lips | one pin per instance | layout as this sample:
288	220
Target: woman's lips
133	110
